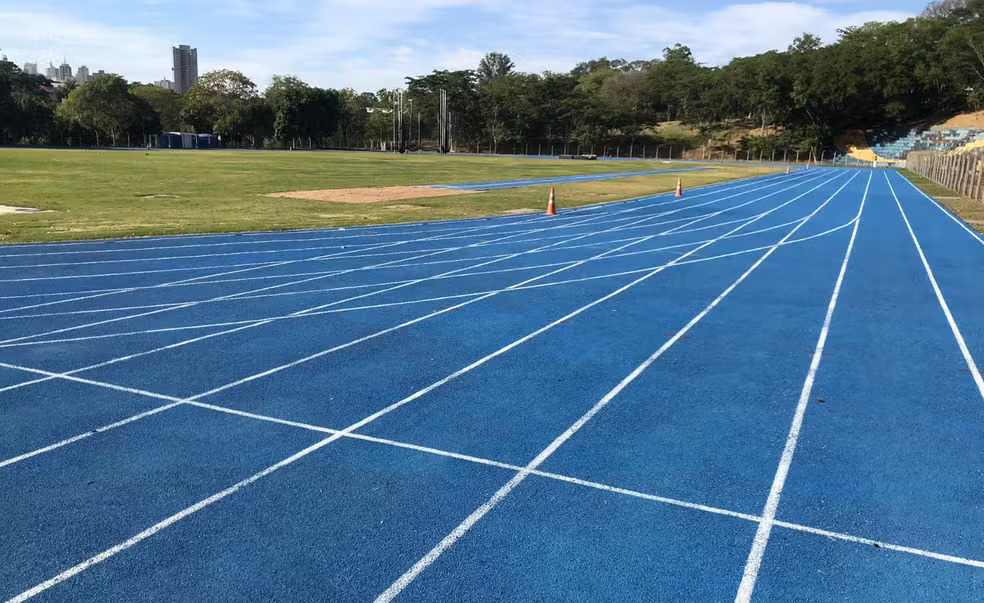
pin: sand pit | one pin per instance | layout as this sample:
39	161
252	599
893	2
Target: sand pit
371	195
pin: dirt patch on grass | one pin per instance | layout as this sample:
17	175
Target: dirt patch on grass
521	210
405	207
371	195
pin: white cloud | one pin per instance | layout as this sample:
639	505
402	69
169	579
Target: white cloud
369	44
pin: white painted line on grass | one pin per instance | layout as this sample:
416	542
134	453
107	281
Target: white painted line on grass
448	541
754	561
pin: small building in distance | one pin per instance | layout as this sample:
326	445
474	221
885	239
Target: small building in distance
188	140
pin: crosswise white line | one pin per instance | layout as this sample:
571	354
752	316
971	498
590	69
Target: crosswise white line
149	532
448	541
755	556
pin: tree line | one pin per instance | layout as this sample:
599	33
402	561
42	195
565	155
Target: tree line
876	76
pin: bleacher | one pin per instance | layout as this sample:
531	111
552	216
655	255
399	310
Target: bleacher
932	139
891	147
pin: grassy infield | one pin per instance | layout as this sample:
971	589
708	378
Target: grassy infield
96	194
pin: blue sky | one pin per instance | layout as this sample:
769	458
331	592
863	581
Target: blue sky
371	44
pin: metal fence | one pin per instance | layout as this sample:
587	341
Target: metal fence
961	173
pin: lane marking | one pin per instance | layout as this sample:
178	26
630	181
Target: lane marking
71	375
545	474
308	231
236	295
957	335
405	324
769	182
946	211
96	559
397	264
754	561
445	297
448	541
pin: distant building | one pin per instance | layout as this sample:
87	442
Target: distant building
166	84
52	73
64	72
82	75
99	73
185	67
31	68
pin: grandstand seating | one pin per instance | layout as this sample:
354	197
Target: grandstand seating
893	147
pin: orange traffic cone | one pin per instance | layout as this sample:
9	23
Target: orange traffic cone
551	207
679	189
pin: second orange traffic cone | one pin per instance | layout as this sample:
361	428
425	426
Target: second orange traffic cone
679	189
551	206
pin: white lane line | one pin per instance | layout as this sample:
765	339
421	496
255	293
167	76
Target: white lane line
544	474
136	539
202	278
754	561
455	296
769	183
96	559
638	224
236	295
957	335
448	541
408	323
71	375
946	212
353	229
252	324
881	544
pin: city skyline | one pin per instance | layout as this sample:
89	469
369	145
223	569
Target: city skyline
374	44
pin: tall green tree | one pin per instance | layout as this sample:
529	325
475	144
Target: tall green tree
494	65
102	105
167	104
220	103
26	107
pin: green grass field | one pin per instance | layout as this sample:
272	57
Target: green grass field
98	194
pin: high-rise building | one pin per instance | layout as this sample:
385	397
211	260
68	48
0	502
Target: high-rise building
185	68
31	68
82	75
166	84
64	72
51	73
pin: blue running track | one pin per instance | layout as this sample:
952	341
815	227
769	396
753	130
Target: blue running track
766	390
